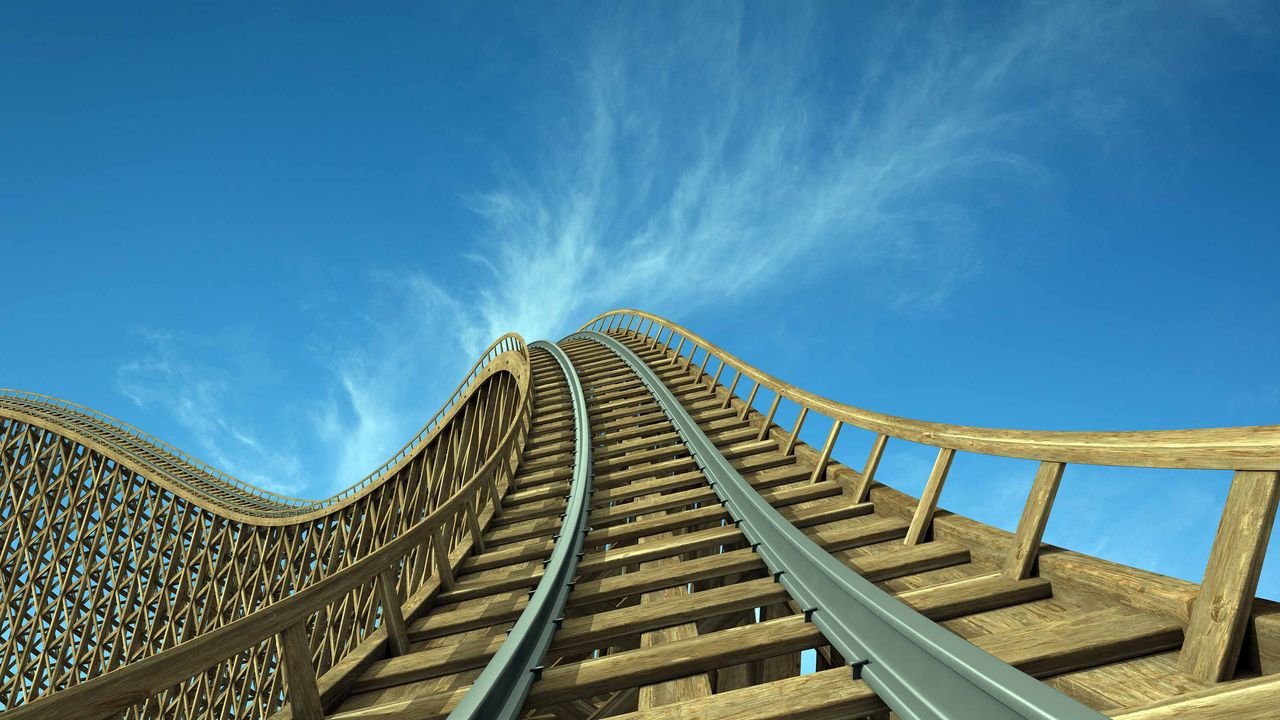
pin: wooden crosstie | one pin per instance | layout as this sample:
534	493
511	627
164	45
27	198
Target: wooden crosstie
139	582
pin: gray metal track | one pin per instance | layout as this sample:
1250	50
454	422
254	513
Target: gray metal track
499	692
921	670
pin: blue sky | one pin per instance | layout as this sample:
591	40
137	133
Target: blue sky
276	237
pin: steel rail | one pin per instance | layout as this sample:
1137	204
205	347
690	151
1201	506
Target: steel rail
500	690
921	670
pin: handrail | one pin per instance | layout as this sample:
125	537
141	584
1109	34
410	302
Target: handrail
921	670
110	694
500	690
186	472
1233	448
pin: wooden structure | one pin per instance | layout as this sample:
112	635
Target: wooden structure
139	582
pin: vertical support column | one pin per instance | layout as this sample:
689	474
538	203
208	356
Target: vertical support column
392	617
728	398
473	525
746	405
1221	611
795	431
1025	547
299	673
820	470
768	418
869	470
929	498
443	568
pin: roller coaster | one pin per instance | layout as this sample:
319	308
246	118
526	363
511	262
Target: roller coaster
613	526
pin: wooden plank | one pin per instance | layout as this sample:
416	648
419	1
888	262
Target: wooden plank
299	674
1083	640
965	597
929	498
1087	639
1221	611
1025	547
1253	699
907	561
428	663
594	631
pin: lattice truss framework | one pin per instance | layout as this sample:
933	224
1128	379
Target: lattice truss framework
102	565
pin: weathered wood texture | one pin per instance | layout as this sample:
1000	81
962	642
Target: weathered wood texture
673	615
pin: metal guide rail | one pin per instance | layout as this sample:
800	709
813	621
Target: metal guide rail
499	692
919	669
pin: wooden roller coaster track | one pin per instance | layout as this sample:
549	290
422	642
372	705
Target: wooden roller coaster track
613	526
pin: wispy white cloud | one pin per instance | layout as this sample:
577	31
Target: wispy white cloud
719	152
708	156
170	376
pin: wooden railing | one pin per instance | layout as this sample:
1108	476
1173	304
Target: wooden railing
1218	618
429	550
161	551
201	482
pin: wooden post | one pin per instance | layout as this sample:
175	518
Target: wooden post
492	483
820	470
1221	611
443	569
706	357
929	498
751	397
299	673
679	346
768	418
473	526
869	470
795	431
392	617
1025	547
728	398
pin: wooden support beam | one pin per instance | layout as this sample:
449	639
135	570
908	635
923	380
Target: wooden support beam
299	674
929	498
820	470
795	431
1221	611
1085	640
863	489
392	618
768	418
441	552
751	397
1025	547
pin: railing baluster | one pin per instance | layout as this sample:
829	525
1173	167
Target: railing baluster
732	386
703	367
392	616
1220	616
492	482
751	397
299	673
795	431
1025	547
929	498
820	470
768	418
719	372
473	526
863	490
443	569
679	346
